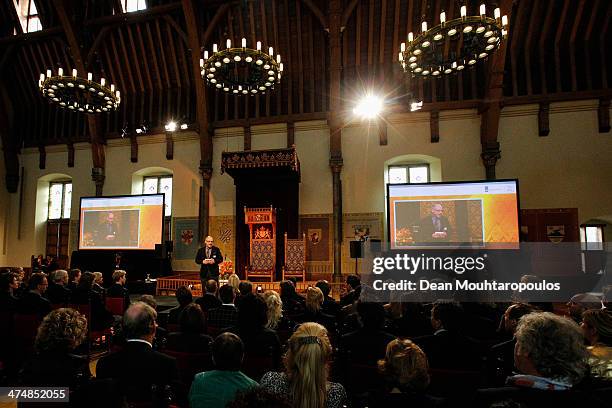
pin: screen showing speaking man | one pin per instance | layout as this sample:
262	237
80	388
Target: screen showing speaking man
480	214
131	222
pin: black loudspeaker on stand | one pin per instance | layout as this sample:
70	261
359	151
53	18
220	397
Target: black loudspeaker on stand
356	251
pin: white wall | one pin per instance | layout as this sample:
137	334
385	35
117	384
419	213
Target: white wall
569	168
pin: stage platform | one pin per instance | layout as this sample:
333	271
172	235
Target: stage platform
168	285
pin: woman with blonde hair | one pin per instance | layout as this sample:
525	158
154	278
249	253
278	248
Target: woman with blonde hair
306	370
275	308
234	282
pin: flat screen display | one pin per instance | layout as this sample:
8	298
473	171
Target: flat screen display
120	223
474	214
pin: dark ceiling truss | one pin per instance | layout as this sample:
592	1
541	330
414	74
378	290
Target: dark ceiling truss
556	49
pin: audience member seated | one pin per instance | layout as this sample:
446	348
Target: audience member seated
100	317
406	377
304	381
276	319
257	338
293	304
448	347
118	289
413	320
161	333
50	264
192	337
580	303
22	287
552	361
58	293
59	334
313	311
8	283
183	297
142	373
234	282
597	329
257	398
330	306
244	288
225	315
214	389
500	359
74	275
210	299
353	283
368	344
98	285
33	302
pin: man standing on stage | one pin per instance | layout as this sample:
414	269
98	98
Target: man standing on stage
209	257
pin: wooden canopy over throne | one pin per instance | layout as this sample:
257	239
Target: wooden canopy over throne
267	183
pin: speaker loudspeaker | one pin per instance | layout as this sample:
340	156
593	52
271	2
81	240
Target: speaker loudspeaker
356	249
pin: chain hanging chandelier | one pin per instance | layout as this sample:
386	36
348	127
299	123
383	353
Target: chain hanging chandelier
79	94
453	45
241	70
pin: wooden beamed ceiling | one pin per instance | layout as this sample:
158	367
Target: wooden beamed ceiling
556	49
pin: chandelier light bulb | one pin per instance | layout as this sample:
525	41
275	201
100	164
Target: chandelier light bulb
112	88
60	72
270	51
201	62
281	67
497	13
215	48
402	47
228	43
483	10
102	81
504	20
278	58
42	77
443	17
463	11
89	76
74	73
424	26
48	73
258	45
401	57
243	42
410	37
206	54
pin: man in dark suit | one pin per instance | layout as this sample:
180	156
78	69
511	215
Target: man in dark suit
209	257
107	232
330	306
353	282
33	302
142	373
183	297
118	289
225	315
209	300
58	293
448	348
434	227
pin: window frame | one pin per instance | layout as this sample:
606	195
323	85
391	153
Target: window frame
158	179
63	183
407	167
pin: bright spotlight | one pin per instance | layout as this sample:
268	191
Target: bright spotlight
170	126
368	107
183	126
415	106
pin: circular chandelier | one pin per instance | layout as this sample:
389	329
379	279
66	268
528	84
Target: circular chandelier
79	94
453	45
241	70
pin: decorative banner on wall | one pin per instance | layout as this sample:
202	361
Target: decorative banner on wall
318	237
221	228
185	238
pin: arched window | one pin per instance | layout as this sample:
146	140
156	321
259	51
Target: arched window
156	180
408	173
57	190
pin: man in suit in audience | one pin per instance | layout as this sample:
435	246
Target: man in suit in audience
74	276
354	285
209	257
118	289
330	306
8	284
183	297
142	373
225	315
209	300
58	293
448	348
369	343
33	302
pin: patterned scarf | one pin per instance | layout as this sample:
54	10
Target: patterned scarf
540	383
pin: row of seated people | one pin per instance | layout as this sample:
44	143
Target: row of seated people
550	356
